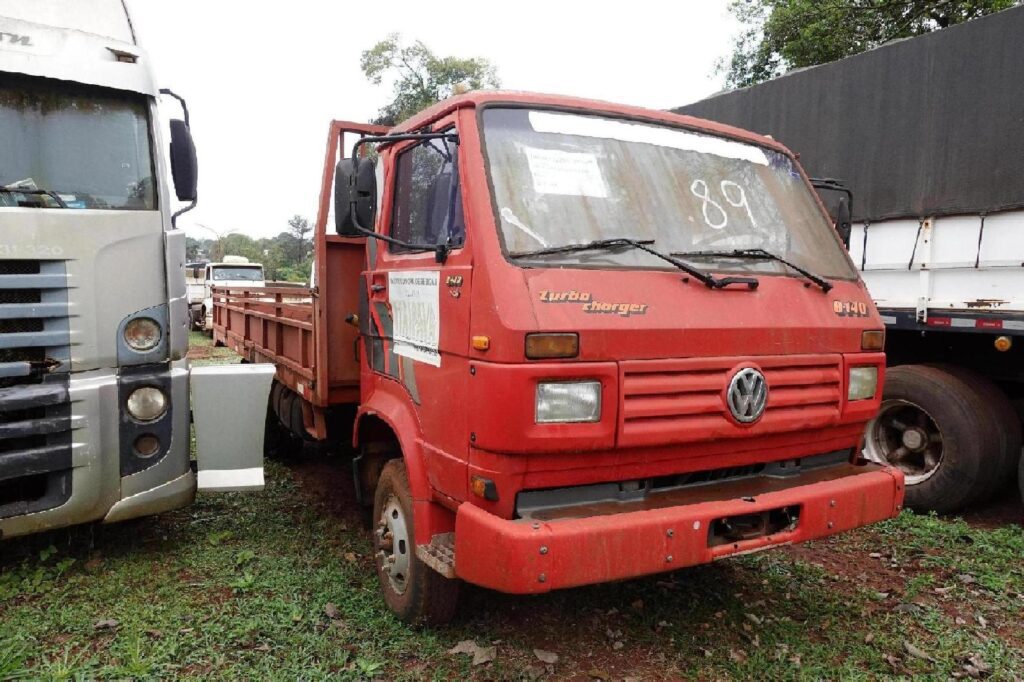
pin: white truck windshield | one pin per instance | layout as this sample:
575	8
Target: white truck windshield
238	274
564	178
73	146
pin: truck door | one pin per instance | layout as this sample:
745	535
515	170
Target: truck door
417	326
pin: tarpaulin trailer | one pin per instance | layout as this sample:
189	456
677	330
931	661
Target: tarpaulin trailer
928	134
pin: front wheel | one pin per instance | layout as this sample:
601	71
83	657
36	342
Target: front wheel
412	590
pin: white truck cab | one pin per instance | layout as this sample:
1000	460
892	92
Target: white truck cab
96	392
232	271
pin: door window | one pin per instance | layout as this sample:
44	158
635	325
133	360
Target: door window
428	200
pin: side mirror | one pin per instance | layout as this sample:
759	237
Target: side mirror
844	222
184	166
355	197
844	210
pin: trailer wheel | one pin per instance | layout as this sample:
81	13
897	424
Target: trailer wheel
1020	479
941	432
1007	425
412	590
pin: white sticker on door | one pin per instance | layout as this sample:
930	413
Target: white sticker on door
569	173
414	298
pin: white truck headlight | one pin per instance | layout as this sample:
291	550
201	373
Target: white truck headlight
568	401
863	383
147	403
142	334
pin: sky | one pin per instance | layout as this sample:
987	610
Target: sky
262	86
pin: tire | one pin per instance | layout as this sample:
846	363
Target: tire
1020	479
417	594
942	432
1007	429
277	442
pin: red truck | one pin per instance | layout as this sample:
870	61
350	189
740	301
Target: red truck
574	342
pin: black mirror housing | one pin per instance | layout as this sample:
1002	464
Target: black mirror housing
844	221
184	166
355	197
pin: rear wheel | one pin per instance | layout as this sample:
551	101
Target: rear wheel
942	433
412	590
278	443
1007	425
1020	479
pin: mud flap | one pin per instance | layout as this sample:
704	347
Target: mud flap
229	410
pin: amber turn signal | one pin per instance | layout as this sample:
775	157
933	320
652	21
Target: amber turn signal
1003	343
553	345
872	339
481	342
484	487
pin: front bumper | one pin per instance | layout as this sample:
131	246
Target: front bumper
530	556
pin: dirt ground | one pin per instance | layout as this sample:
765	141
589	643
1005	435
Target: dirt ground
904	580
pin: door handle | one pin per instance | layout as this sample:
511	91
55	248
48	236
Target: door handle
378	287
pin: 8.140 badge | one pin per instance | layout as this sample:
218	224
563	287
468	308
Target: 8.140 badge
850	308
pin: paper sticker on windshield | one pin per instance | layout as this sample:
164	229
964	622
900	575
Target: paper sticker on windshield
568	173
414	307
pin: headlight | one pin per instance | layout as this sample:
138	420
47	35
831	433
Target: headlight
863	383
577	401
147	403
142	334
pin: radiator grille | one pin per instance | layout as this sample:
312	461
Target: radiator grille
35	407
671	401
20	326
20	267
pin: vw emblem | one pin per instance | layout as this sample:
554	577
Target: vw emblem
747	395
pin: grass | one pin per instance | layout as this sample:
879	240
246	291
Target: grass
239	586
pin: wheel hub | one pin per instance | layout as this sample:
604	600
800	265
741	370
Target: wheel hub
393	547
904	435
914	438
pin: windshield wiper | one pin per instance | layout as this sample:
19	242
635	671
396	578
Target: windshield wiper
612	243
762	254
45	192
709	281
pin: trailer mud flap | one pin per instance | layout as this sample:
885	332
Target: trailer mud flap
229	411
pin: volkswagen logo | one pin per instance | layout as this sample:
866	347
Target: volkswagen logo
747	395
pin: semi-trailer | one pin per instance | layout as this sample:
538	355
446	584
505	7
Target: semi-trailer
926	134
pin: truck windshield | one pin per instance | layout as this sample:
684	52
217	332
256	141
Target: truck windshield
562	178
87	146
237	274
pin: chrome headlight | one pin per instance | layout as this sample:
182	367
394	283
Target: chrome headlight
863	383
142	334
568	401
147	403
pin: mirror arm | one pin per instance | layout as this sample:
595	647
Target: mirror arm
441	251
398	137
181	101
184	209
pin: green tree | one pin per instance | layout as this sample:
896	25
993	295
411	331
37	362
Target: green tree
780	35
421	78
236	244
299	230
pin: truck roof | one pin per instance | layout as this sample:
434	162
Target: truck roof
85	41
107	18
480	98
